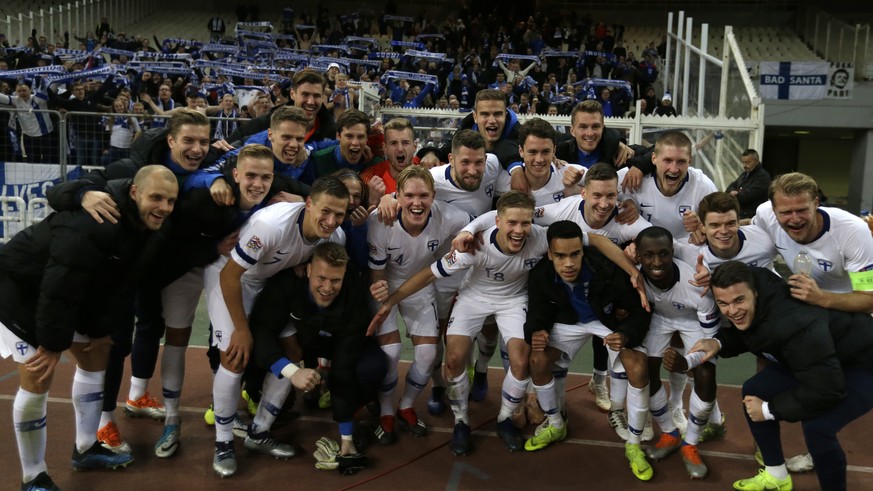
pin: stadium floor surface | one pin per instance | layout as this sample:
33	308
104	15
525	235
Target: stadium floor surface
592	456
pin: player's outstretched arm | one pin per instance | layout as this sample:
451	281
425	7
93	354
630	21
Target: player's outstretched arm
410	286
617	256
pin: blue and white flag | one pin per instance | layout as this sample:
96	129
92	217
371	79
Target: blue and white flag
793	80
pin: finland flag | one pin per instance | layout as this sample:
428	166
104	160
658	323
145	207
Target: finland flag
793	80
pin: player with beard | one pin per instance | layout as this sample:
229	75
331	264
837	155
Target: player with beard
838	243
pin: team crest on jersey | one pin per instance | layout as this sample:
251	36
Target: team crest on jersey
558	196
451	258
825	265
218	334
678	306
254	243
21	347
432	245
683	209
539	212
490	190
530	263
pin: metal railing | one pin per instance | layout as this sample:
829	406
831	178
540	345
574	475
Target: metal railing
79	141
836	40
76	17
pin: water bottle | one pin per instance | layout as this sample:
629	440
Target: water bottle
802	263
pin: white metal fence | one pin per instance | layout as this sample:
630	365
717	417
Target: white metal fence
76	17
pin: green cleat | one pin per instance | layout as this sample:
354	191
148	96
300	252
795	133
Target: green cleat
713	431
251	405
544	438
638	463
209	416
764	481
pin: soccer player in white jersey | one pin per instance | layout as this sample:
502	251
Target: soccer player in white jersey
253	175
573	297
838	243
669	198
596	209
726	240
677	306
395	254
496	285
468	182
595	212
490	289
280	236
537	150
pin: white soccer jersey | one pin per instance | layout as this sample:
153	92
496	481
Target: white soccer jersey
473	202
494	276
756	249
272	240
665	211
572	208
551	192
402	255
844	246
682	303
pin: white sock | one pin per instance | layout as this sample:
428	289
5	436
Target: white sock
487	347
273	395
225	399
29	416
172	376
677	387
660	410
618	388
698	413
418	374
599	377
549	402
389	383
88	404
637	410
779	471
458	390
513	393
138	388
715	416
106	417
